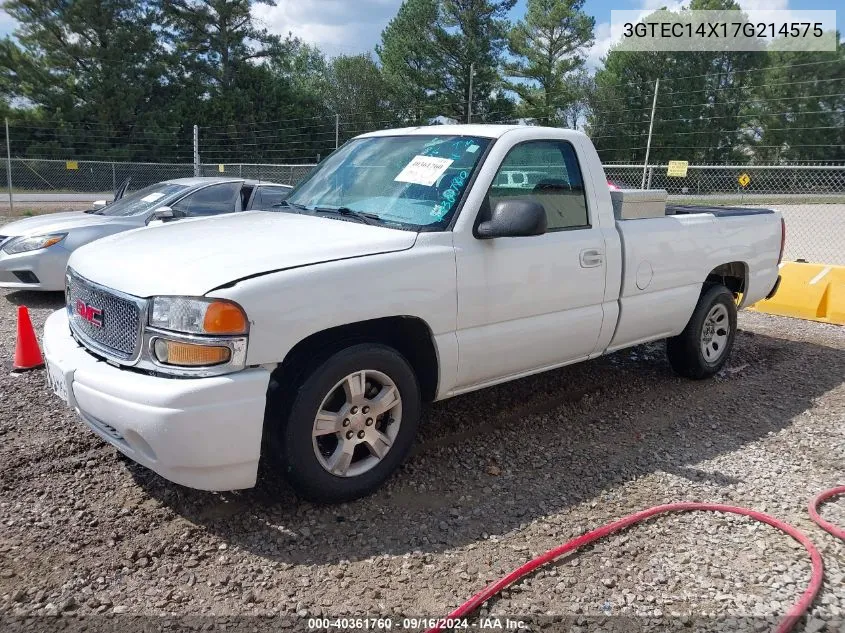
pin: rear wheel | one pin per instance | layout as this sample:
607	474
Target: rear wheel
704	346
352	422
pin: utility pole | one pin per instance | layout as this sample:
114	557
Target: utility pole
336	131
469	98
196	151
650	128
9	170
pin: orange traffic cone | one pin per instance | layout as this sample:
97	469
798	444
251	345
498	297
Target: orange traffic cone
27	352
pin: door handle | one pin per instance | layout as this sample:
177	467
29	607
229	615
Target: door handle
591	257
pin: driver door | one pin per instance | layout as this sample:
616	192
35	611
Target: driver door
211	200
531	303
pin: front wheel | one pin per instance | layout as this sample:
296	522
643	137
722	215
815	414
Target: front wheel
704	346
352	422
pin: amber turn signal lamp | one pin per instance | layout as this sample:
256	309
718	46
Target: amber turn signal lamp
222	317
190	355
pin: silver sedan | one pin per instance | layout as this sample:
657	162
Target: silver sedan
34	251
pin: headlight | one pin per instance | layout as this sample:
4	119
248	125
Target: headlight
195	336
198	316
25	244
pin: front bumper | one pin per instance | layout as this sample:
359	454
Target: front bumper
47	264
203	433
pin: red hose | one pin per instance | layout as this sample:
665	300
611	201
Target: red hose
814	511
786	624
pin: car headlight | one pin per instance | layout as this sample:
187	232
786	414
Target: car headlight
198	316
25	244
201	336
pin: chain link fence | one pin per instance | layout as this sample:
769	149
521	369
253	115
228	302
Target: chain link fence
810	197
58	176
282	174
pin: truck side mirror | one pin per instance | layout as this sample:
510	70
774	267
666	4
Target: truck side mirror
162	213
514	218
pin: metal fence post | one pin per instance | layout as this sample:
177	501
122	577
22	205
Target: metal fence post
113	178
196	151
650	128
9	170
336	131
650	173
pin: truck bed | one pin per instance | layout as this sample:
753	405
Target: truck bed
666	259
719	212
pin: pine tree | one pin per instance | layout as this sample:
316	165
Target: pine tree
547	47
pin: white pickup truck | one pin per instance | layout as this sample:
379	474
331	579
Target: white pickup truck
401	271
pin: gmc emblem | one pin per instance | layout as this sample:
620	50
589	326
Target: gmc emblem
93	315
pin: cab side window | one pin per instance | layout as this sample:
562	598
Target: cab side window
266	197
212	200
550	176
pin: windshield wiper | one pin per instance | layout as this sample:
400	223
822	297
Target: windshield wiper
362	216
292	205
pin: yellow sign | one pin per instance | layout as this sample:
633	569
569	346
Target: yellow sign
677	168
71	164
744	179
221	168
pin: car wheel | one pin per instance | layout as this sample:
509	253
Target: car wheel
704	346
351	423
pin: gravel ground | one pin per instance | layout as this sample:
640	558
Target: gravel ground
497	477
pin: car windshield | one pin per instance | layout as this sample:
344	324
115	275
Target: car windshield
143	200
414	182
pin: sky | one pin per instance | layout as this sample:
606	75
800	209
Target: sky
344	27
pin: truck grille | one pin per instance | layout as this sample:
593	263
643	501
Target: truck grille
114	325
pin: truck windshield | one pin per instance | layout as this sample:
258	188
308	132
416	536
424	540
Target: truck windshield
414	181
143	200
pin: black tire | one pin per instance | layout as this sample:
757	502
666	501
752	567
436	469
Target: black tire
685	350
290	440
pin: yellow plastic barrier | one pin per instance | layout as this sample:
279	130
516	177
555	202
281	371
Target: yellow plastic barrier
808	291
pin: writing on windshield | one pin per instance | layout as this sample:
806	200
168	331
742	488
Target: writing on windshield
412	181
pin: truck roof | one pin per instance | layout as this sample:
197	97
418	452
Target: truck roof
483	130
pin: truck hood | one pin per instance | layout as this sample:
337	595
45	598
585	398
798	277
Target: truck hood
56	223
192	257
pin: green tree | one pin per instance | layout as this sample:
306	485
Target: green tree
701	105
245	86
621	103
798	110
301	64
472	42
580	85
96	67
501	107
354	90
409	57
264	118
433	51
214	38
547	47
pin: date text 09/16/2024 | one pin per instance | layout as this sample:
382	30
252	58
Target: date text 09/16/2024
489	623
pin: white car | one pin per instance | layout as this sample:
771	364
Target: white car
34	251
400	273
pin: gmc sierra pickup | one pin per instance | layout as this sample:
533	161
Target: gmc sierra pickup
404	269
